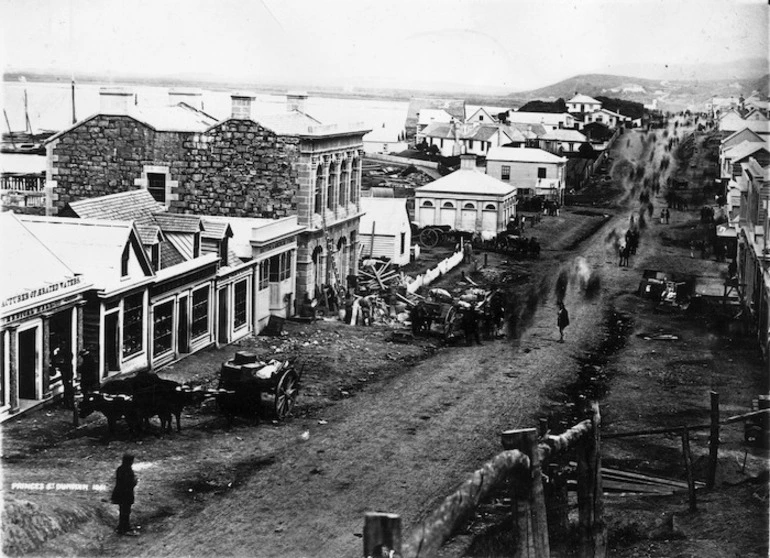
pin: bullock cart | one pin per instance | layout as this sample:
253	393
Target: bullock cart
247	384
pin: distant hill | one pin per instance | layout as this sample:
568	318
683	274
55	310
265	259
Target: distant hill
590	84
760	85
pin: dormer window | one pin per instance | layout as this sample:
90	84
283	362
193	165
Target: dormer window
124	261
155	256
196	245
223	252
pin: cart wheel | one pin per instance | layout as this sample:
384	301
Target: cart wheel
286	394
429	238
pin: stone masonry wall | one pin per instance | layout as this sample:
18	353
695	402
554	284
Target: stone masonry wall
237	168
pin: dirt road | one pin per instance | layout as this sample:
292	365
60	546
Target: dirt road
399	445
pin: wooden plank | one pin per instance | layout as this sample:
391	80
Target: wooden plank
612	485
688	469
713	441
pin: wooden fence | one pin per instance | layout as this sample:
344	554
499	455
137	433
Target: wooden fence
521	461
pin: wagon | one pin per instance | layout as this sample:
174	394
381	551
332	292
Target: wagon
248	384
441	317
434	235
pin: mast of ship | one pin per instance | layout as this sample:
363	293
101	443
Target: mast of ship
10	132
26	113
74	119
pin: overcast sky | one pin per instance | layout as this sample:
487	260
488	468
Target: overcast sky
506	44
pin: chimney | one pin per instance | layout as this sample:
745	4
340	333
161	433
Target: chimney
467	161
191	97
115	100
296	100
241	106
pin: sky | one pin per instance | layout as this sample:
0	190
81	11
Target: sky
505	45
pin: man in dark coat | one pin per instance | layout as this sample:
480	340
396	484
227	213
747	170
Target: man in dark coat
470	325
562	320
123	494
87	369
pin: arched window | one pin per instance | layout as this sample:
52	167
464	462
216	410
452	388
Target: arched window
427	203
490	206
469	205
330	197
341	243
344	184
355	185
317	254
448	205
319	189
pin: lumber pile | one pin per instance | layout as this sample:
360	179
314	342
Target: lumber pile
378	275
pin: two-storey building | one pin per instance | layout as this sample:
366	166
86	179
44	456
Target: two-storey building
533	172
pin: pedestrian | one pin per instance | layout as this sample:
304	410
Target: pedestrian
668	215
470	324
61	360
562	320
123	493
87	370
467	252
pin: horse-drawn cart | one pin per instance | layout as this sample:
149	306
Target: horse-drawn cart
434	235
247	384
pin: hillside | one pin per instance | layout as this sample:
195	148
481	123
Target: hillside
589	84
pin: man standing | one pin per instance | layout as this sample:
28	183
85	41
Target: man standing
123	494
470	324
562	320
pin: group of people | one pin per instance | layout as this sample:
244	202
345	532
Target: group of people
61	367
628	247
665	215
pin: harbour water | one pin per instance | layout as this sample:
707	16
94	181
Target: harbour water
50	107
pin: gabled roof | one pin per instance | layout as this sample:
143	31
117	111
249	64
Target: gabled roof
179	223
428	115
578	98
389	216
564	134
288	123
217	230
547	118
467	181
615	114
471	131
523	155
134	205
744	149
90	246
30	265
149	234
750	135
530	131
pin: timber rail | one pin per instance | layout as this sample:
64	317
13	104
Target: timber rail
524	456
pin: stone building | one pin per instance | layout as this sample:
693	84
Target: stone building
275	166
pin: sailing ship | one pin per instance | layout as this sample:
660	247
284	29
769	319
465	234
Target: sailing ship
25	142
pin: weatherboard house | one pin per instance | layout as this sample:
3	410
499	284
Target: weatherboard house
271	167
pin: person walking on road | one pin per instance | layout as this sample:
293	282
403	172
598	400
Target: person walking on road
562	320
123	493
470	325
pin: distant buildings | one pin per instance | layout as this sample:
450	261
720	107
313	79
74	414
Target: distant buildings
534	172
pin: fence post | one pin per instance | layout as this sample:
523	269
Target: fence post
529	497
688	467
382	534
593	531
713	441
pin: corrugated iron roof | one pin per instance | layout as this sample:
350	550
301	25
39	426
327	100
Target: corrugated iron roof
467	181
564	134
744	149
388	215
523	155
134	205
179	222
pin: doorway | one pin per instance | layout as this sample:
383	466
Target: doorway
112	342
28	364
183	336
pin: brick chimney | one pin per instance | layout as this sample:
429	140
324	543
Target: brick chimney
296	100
241	106
115	100
192	97
467	161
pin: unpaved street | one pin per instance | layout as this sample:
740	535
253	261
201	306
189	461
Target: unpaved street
399	445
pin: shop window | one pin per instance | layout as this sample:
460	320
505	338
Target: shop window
163	323
280	267
200	312
264	275
241	299
133	319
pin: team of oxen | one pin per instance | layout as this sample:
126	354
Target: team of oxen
139	398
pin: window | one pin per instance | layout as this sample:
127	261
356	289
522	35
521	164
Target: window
239	316
344	177
470	144
491	206
332	184
200	312
319	189
448	205
223	249
196	245
541	173
427	203
124	260
469	206
156	185
133	324
162	328
403	242
481	117
280	267
441	143
155	257
505	173
264	275
354	184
